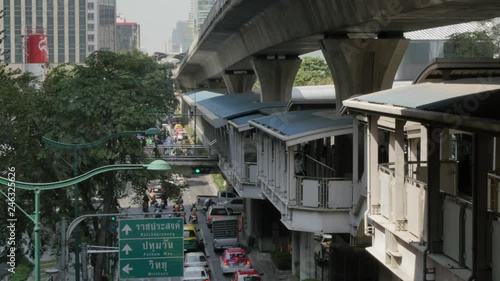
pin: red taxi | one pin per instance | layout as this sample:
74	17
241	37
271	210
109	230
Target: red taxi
234	259
247	275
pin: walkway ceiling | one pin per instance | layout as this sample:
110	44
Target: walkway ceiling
236	30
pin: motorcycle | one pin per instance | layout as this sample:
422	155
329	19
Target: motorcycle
157	210
163	204
193	218
207	204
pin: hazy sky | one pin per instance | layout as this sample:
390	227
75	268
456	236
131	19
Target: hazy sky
157	19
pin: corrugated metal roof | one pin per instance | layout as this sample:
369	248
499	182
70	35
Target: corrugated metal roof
234	105
244	119
296	124
427	96
470	104
200	95
444	32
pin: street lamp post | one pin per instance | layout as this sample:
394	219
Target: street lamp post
74	166
157	165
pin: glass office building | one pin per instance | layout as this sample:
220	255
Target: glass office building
66	24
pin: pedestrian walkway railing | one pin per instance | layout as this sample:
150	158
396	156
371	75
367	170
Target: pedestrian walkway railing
173	151
322	193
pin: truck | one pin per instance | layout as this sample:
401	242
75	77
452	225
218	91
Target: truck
225	230
220	197
322	250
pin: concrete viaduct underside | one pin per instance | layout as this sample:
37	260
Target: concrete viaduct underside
239	38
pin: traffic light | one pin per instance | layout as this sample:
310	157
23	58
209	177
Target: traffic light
201	170
113	218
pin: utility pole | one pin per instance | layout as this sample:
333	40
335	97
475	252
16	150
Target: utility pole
62	264
85	271
194	131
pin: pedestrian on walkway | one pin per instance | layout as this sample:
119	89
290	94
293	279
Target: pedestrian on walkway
299	169
152	198
145	202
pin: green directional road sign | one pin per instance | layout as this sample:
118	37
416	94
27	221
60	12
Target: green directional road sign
151	248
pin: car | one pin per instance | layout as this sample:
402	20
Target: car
233	205
215	210
196	273
192	241
155	186
247	275
179	180
234	259
195	259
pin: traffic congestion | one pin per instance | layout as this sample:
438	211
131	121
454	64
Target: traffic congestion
211	246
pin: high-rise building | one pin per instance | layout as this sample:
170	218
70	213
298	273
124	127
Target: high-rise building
200	11
106	25
182	37
128	36
74	28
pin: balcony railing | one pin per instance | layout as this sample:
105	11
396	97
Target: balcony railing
250	175
457	213
322	193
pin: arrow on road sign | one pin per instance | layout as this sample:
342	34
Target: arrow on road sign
126	229
127	268
127	249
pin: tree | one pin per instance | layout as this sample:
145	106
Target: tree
476	44
19	146
110	93
313	71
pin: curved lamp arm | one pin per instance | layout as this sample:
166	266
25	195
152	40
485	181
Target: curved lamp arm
158	165
150	131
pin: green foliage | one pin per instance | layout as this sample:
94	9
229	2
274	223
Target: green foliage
282	260
477	44
313	71
219	181
23	271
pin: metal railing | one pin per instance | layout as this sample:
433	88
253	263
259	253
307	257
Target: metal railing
179	151
322	194
250	175
315	168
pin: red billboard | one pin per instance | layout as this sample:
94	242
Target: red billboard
37	48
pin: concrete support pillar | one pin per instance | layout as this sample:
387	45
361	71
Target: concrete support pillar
434	204
445	144
276	76
372	169
391	150
423	143
216	84
295	253
307	266
239	81
360	66
399	191
480	224
248	221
